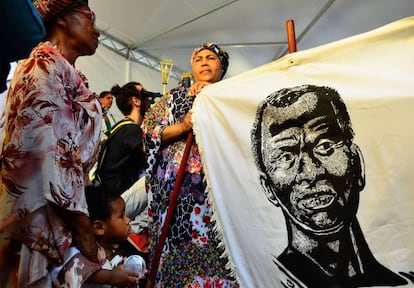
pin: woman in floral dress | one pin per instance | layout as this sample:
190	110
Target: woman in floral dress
191	255
51	125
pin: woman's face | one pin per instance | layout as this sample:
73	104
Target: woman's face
206	67
81	30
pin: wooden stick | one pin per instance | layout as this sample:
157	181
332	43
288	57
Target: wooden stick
155	261
290	28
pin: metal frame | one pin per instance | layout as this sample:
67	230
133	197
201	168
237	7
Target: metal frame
136	55
137	52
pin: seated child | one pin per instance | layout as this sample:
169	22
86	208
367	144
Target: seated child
111	226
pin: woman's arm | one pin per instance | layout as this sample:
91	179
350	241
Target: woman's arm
175	131
81	227
172	132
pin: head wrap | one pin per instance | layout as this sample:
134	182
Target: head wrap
50	9
221	53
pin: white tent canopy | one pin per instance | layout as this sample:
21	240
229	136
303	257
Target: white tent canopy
135	35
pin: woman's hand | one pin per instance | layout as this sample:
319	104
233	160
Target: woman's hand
196	88
80	226
187	124
87	245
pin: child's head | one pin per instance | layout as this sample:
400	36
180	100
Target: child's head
107	214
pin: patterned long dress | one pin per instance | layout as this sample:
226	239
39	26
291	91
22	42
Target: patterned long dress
191	256
51	126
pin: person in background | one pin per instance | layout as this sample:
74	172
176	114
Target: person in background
106	98
191	247
52	126
153	96
110	226
122	165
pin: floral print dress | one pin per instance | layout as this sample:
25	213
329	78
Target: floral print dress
191	256
51	125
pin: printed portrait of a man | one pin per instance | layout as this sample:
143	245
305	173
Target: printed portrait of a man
310	167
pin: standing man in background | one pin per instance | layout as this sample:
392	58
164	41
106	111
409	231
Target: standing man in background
122	162
106	98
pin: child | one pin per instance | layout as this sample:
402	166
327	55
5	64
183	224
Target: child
110	226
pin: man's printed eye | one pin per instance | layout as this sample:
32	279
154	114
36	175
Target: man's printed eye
327	147
286	157
283	160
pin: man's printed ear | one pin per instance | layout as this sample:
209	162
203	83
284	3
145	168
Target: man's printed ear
358	167
268	189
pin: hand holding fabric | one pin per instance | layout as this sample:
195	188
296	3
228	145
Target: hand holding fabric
196	88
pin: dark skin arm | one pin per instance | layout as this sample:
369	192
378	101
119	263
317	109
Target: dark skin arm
80	225
178	130
116	277
173	132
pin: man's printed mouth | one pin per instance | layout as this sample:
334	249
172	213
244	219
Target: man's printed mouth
317	201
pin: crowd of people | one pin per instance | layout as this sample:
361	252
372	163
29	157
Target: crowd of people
77	185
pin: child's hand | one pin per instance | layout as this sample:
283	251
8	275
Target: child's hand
123	277
118	277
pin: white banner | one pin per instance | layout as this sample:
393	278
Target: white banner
314	206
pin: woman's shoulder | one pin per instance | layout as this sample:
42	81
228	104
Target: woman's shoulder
180	95
47	51
179	91
48	58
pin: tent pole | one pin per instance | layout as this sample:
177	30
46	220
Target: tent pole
127	70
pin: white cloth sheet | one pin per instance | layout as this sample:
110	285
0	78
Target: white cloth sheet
373	73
